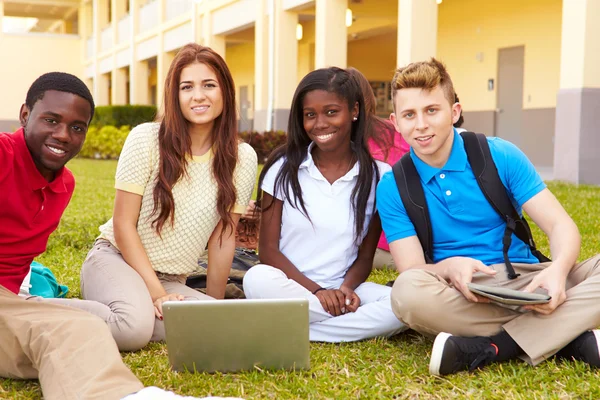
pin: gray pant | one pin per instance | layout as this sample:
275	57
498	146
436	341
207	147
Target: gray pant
123	300
383	260
429	304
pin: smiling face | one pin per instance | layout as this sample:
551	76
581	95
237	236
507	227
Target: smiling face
425	118
200	95
55	129
327	119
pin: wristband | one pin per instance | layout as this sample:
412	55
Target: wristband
319	289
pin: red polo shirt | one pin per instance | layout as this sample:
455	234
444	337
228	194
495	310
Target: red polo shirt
30	208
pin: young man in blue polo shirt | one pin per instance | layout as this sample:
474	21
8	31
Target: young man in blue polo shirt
467	245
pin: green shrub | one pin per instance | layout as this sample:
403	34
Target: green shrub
264	143
105	142
123	115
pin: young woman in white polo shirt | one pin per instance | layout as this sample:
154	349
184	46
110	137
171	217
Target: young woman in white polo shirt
182	184
319	226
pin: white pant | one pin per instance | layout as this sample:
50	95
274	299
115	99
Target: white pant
373	318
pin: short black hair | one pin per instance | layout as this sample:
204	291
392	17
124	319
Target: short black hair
460	120
59	81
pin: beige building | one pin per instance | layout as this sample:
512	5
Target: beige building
527	71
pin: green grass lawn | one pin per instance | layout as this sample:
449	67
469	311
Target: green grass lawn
372	369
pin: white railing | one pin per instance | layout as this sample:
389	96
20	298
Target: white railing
149	16
123	29
89	48
174	8
106	38
236	15
176	38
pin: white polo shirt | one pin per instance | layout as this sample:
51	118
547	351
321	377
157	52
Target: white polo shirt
322	248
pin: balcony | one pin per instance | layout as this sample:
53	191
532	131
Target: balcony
124	29
148	16
175	8
106	38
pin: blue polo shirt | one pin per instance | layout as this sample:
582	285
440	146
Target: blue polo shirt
463	222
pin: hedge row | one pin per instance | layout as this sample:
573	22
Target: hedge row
264	143
107	141
122	115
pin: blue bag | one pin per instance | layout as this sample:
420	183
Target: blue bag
43	282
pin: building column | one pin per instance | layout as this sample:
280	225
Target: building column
119	86
118	11
1	18
103	88
162	59
215	42
261	67
286	64
140	93
417	31
331	47
104	24
138	88
163	62
196	24
96	47
577	138
117	94
82	28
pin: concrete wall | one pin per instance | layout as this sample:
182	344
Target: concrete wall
240	59
375	57
469	37
25	58
468	30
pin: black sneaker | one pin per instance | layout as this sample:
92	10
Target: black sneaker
583	348
452	354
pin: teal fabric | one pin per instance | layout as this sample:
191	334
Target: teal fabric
43	282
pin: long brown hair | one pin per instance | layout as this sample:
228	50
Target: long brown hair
377	128
175	144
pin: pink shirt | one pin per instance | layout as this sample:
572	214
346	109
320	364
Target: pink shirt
400	147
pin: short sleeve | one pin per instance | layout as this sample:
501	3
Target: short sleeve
394	219
268	183
516	171
135	162
244	177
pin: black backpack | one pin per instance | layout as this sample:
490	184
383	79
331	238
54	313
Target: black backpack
484	169
243	260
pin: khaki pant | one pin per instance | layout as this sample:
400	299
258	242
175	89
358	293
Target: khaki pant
430	305
383	260
126	303
70	351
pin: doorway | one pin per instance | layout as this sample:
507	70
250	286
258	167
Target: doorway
511	63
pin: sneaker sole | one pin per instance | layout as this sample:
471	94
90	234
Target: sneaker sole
437	352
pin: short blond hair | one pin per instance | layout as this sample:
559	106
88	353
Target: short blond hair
423	75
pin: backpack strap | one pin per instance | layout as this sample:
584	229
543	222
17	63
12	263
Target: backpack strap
411	192
486	173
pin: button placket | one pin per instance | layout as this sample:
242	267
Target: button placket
43	203
448	192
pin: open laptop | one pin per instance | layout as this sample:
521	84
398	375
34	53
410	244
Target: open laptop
236	335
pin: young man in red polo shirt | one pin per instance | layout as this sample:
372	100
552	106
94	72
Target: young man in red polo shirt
70	351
